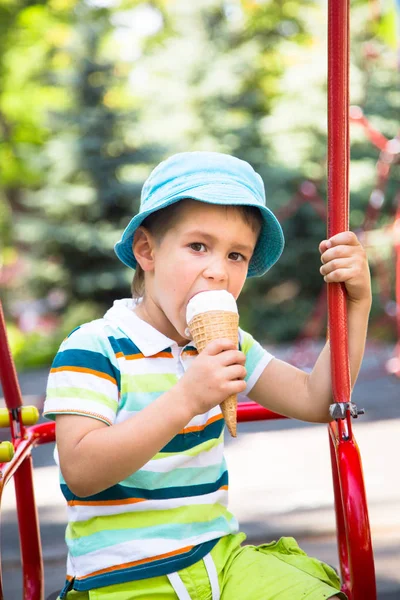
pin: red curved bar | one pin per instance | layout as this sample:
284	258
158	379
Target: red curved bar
343	549
43	433
35	435
251	411
354	538
20	467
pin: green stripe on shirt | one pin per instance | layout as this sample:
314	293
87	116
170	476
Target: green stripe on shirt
146	518
153	382
84	394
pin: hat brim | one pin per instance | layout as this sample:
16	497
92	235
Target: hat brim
270	242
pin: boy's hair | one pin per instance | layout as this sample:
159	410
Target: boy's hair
159	222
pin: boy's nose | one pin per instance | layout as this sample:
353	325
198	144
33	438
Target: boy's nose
216	271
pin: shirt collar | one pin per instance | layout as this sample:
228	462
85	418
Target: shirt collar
149	340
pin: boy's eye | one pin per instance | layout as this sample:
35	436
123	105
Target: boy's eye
197	246
237	257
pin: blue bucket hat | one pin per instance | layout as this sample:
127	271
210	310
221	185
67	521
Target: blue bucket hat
209	177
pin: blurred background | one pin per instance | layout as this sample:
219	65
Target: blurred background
93	94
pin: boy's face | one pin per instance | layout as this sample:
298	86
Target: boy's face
209	248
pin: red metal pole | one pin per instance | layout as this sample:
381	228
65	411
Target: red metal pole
28	524
8	375
338	186
20	467
351	507
29	533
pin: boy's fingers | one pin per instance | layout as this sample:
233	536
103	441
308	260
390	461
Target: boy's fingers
233	357
236	386
338	263
347	238
323	246
344	237
236	372
219	345
338	252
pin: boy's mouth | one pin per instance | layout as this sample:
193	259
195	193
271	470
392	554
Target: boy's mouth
195	294
201	291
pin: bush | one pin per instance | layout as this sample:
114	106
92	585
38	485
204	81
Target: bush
37	349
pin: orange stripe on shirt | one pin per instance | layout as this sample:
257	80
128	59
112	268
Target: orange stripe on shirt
136	563
201	427
116	502
139	355
105	502
131	356
85	370
163	355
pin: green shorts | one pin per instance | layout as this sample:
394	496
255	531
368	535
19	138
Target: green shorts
275	571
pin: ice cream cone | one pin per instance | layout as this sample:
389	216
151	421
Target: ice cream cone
209	325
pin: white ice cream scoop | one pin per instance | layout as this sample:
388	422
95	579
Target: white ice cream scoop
212	300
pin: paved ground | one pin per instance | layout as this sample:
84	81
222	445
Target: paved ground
293	496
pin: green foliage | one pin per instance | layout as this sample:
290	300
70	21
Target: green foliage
37	349
28	36
107	90
75	219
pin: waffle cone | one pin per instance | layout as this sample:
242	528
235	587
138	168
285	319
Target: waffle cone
213	325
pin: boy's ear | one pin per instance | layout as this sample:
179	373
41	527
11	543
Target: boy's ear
143	248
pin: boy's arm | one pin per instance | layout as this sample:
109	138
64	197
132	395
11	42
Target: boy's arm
94	456
289	391
294	393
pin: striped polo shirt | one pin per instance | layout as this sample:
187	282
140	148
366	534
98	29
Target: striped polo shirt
170	513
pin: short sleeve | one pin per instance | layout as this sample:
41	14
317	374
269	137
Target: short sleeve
84	378
257	358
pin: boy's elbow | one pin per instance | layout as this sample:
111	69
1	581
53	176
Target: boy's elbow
320	415
326	418
81	491
321	418
79	484
76	487
316	403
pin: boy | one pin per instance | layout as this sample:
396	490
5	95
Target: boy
138	424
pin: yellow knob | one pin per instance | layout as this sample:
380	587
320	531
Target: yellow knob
30	415
6	452
4	417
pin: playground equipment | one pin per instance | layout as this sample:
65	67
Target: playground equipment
353	532
304	351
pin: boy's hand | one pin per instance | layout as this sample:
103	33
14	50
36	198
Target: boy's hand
216	373
344	260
